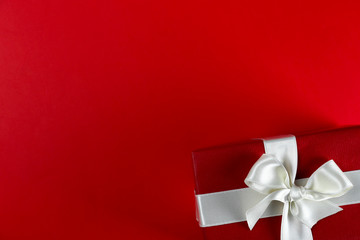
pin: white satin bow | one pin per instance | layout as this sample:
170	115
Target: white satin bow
303	205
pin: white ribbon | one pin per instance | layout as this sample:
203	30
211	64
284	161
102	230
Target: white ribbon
274	176
273	191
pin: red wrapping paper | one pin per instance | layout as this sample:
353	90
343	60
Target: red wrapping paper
225	168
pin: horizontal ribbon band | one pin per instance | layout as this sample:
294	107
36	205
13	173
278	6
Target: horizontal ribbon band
225	207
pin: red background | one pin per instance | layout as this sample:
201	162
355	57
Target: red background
102	102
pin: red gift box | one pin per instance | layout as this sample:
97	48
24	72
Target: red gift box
225	168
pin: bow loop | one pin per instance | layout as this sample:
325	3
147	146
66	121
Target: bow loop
268	175
328	181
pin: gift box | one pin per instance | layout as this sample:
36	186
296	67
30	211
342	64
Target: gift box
224	169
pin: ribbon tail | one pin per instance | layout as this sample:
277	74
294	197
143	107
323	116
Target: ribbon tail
255	213
292	228
310	212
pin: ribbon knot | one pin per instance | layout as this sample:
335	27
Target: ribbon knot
296	193
273	175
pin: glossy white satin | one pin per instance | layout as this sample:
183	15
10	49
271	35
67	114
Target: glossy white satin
273	191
